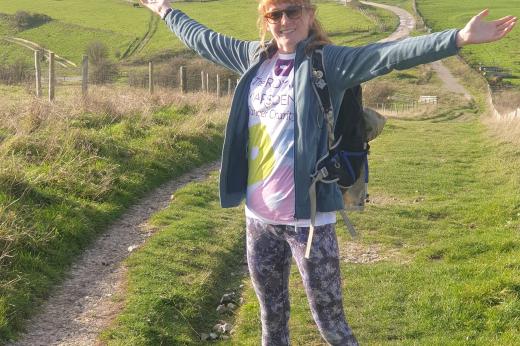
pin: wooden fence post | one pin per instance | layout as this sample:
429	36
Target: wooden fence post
207	82
184	86
84	76
218	85
229	87
150	77
38	76
202	81
52	80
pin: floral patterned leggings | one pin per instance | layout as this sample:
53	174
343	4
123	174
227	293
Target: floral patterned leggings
269	252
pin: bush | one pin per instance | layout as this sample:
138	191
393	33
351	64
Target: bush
377	92
97	52
17	73
104	72
23	20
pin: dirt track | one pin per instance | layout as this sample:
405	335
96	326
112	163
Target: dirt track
84	304
406	25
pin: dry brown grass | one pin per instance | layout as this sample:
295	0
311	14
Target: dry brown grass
506	101
24	116
507	130
44	144
45	133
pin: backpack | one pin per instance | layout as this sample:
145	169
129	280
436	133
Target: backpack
346	162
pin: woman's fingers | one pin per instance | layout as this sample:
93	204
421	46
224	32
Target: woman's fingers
500	33
503	20
507	23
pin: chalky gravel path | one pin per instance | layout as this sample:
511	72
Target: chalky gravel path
406	25
84	304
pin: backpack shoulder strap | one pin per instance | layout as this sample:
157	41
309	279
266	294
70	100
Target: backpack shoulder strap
319	82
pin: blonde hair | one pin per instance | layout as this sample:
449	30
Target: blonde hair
316	31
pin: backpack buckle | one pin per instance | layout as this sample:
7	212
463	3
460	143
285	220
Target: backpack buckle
324	172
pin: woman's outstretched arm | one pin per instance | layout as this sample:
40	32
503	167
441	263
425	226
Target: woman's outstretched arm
351	66
223	50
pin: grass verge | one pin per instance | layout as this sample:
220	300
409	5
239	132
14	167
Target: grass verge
175	281
67	170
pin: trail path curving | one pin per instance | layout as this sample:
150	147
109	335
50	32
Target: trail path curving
36	47
406	21
407	24
84	304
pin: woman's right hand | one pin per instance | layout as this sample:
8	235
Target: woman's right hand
157	6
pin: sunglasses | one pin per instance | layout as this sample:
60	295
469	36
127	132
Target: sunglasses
291	12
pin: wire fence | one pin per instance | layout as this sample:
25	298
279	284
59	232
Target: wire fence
50	77
399	108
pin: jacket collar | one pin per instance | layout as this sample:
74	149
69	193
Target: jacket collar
271	48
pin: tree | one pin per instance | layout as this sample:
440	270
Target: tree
97	52
103	69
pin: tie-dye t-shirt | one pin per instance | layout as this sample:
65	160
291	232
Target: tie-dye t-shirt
270	185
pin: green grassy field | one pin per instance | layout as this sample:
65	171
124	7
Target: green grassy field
9	52
445	14
119	25
444	219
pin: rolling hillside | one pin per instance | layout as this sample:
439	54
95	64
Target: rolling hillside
133	33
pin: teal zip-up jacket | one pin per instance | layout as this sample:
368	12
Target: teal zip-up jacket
345	67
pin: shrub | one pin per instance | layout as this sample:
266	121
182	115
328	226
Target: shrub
104	72
377	92
23	20
16	73
97	52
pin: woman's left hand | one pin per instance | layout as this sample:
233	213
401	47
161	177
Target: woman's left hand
157	6
479	31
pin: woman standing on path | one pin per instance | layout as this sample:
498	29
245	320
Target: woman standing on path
275	135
